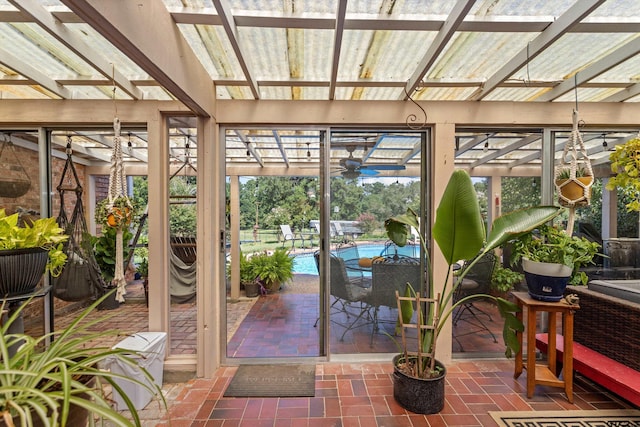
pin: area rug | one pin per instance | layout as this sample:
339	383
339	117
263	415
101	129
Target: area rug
604	418
273	381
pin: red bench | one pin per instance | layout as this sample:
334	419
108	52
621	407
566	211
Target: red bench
614	376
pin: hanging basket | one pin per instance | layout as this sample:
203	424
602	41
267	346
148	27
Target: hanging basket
14	181
21	270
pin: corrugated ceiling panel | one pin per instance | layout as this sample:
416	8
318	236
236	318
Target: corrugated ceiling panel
400	7
266	60
95	41
628	70
521	8
298	6
443	93
472	56
212	47
587	95
23	48
618	8
569	54
22	92
515	93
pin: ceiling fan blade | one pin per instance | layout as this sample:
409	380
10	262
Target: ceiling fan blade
352	163
384	167
368	172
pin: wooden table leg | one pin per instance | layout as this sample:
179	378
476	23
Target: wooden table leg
531	351
518	361
567	332
551	353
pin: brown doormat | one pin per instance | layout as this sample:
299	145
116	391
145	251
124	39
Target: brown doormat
273	381
613	417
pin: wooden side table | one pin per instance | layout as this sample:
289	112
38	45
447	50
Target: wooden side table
538	373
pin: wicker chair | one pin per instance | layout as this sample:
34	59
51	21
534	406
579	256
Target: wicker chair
389	274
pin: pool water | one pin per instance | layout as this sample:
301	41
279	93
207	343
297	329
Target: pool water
306	264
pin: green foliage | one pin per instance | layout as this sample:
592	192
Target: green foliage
367	222
551	244
40	381
459	215
104	248
182	216
42	233
143	268
625	164
272	270
520	193
565	173
504	279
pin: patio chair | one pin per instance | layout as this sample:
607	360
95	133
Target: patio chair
348	251
389	274
410	249
344	293
476	281
287	235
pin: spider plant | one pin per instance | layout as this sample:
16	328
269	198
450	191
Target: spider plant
44	384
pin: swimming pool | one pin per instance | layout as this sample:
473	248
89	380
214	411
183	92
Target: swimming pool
306	264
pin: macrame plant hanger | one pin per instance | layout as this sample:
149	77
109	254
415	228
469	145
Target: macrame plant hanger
574	175
80	279
120	207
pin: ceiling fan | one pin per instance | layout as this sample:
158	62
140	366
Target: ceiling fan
352	168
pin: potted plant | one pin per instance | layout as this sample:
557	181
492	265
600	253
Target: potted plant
26	253
551	259
459	233
272	270
62	383
115	214
625	165
248	278
574	189
504	279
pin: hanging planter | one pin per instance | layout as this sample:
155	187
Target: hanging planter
574	191
115	214
574	176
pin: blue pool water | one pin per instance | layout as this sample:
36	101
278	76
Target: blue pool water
306	264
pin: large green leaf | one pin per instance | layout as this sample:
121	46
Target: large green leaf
513	224
458	228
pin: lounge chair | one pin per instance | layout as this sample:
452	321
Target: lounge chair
287	235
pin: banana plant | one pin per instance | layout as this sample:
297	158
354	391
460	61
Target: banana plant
460	234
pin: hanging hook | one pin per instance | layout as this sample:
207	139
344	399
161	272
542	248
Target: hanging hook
412	118
575	89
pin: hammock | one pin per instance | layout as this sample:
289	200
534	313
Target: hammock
80	279
182	285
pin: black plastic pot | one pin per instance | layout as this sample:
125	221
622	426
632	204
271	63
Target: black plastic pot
21	270
252	289
419	395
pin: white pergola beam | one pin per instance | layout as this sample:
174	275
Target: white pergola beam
33	74
449	27
498	153
546	38
614	58
224	11
77	45
145	32
337	46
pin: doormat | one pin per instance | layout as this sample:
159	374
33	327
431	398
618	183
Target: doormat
273	381
604	418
